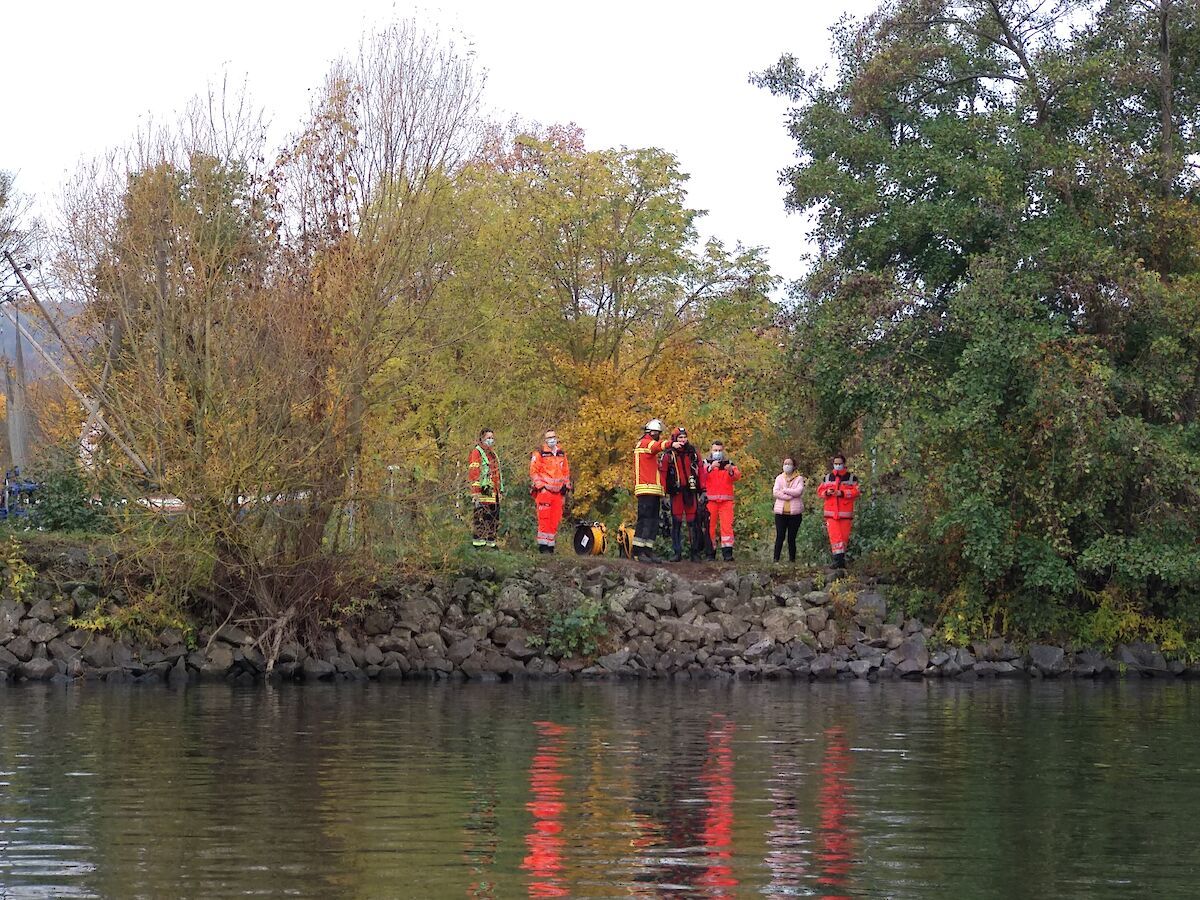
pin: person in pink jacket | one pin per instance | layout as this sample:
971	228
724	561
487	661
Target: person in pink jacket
789	488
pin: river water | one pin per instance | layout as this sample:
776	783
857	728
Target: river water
1069	789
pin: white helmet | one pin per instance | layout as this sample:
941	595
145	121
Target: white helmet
654	425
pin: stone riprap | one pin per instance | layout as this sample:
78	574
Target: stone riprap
654	623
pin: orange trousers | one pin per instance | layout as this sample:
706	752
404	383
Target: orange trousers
839	534
549	513
720	512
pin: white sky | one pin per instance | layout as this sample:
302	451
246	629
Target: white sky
82	76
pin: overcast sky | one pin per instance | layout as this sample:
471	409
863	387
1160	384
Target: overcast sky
81	77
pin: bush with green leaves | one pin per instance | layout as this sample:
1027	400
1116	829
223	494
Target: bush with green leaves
65	500
575	631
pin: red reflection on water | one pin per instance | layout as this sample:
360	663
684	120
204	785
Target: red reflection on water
718	821
545	858
835	839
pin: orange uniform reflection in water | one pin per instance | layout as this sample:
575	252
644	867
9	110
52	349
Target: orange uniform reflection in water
544	862
835	839
718	820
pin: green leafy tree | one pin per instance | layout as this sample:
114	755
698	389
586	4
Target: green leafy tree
1004	306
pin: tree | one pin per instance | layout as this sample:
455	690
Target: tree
246	313
1006	288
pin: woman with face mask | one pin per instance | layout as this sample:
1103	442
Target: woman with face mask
840	490
789	488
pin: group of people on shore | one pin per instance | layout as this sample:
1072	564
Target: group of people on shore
700	489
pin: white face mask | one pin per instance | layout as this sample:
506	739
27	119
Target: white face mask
718	454
788	468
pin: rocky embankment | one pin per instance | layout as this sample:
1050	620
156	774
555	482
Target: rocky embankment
637	622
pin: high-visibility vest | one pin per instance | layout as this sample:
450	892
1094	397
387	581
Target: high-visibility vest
839	507
647	476
549	470
479	458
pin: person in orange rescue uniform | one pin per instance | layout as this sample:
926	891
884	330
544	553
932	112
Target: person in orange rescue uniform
722	473
550	481
840	490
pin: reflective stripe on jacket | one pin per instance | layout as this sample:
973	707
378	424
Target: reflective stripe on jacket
647	476
549	470
839	507
720	479
483	467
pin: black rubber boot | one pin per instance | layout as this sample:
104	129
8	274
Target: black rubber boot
677	540
839	560
727	554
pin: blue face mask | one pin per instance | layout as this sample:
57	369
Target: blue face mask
489	442
551	443
718	454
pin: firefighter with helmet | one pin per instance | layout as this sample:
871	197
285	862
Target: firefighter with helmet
649	487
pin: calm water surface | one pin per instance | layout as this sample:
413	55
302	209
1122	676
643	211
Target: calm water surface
743	790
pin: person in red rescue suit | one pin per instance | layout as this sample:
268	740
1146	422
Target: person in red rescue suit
487	487
550	481
649	487
686	479
840	490
721	475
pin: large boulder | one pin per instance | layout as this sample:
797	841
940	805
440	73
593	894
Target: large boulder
315	669
784	624
1142	657
38	670
233	635
21	647
613	661
518	647
709	590
8	662
378	621
823	666
43	632
218	659
11	614
460	650
1047	660
870	607
912	656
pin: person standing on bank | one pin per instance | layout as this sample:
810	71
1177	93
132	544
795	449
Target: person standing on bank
487	487
789	506
720	476
685	478
649	488
840	490
550	481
